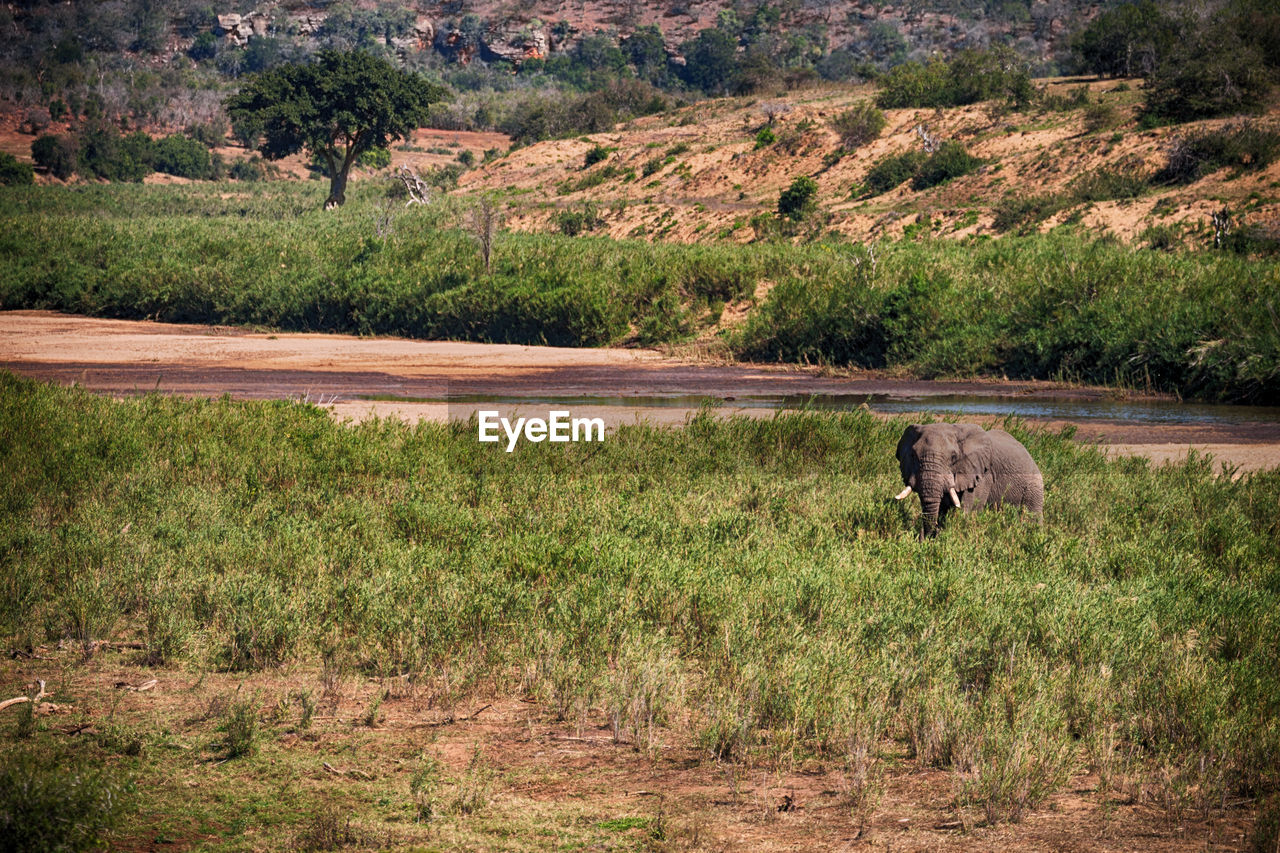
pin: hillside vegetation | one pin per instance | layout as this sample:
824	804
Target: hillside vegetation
1075	152
747	588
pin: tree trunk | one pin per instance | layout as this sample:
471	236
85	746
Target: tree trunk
337	189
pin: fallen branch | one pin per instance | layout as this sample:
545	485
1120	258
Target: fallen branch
19	700
353	773
146	685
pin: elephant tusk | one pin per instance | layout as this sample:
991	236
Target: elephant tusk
955	499
902	494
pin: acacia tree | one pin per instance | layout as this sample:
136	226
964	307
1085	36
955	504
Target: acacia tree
337	107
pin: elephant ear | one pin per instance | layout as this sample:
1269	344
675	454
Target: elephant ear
908	440
975	456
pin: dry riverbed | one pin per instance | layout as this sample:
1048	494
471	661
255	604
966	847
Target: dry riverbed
358	377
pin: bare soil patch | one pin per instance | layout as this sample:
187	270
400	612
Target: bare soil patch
552	783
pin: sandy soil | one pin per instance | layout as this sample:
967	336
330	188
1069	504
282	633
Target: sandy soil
718	179
439	380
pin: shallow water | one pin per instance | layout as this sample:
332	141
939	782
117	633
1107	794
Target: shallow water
1038	407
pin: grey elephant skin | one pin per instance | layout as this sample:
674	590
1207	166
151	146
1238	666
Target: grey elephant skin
963	466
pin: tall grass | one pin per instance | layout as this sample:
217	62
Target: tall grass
753	577
1044	306
1058	305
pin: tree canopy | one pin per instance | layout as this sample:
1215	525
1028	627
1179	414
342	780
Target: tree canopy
336	107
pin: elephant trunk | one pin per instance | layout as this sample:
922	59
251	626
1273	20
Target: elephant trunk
936	481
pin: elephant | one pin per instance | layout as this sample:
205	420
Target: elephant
965	467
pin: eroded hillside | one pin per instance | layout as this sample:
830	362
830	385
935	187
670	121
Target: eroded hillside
699	173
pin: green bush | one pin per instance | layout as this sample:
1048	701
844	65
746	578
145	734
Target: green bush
58	155
1210	75
765	137
1105	183
574	222
182	156
1100	116
797	201
968	77
912	84
951	160
1245	146
1024	212
249	169
596	154
858	125
104	153
968	309
55	801
13	172
380	158
893	170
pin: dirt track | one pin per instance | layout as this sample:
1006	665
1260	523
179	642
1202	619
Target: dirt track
128	357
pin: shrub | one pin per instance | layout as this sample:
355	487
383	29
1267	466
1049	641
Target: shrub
892	170
1023	212
182	156
54	802
1253	239
765	137
211	134
56	155
1209	76
798	200
380	158
1104	184
1161	238
239	727
38	119
104	153
951	160
652	165
970	76
1247	146
574	222
1128	40
466	158
1099	116
13	172
205	46
251	169
914	85
596	154
859	125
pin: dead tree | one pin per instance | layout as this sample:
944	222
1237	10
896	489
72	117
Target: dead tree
483	222
419	190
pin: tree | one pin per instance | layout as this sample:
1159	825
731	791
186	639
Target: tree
336	107
56	154
483	223
1128	40
711	61
13	172
798	200
647	51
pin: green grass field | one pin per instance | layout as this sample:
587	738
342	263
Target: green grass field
1058	306
748	587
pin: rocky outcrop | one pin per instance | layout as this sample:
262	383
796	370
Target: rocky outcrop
238	29
526	43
